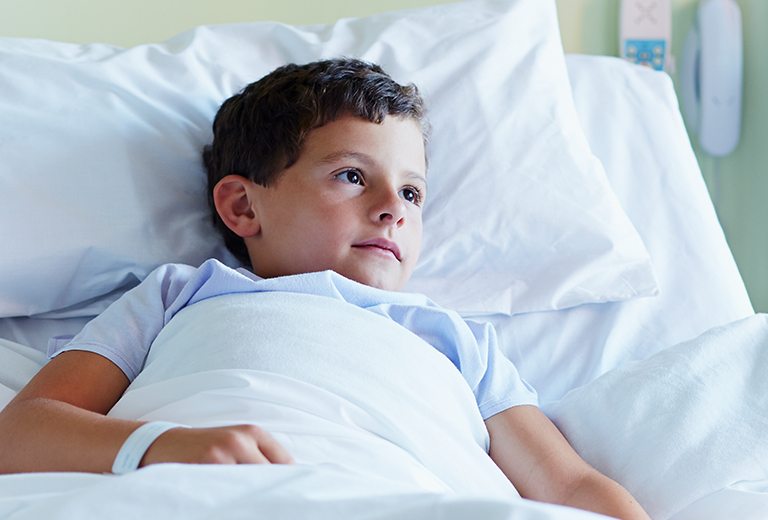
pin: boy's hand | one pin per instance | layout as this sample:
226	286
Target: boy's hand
241	444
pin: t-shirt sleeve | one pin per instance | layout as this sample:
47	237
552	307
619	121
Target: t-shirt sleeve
124	332
473	348
498	383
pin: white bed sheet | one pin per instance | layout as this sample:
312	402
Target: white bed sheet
683	426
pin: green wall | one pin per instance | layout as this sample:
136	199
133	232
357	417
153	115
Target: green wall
738	183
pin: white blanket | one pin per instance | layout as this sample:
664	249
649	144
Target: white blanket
386	428
334	383
686	431
247	492
381	424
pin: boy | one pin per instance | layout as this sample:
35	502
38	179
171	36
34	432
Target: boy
313	168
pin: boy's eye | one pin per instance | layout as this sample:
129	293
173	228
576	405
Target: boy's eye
350	176
412	195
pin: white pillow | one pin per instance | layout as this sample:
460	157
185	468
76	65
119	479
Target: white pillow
632	121
682	425
101	178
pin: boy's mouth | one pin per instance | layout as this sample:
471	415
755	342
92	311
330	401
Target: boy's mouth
383	244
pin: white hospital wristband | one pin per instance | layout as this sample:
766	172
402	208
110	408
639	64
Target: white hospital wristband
137	444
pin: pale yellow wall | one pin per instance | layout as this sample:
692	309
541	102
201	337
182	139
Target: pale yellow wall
130	22
739	183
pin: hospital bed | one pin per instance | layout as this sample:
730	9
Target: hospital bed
565	206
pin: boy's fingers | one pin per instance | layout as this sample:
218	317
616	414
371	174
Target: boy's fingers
257	446
253	457
274	451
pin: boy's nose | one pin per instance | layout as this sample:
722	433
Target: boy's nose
389	209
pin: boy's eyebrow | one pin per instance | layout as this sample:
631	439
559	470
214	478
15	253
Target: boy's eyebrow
347	154
363	158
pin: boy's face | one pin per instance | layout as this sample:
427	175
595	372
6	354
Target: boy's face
351	203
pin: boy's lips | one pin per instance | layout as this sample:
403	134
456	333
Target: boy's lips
382	243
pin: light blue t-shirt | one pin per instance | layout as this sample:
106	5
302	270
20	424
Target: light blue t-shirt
124	332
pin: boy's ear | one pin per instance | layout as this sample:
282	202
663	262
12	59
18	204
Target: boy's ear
232	198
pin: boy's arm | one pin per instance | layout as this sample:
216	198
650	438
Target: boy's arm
57	423
542	465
